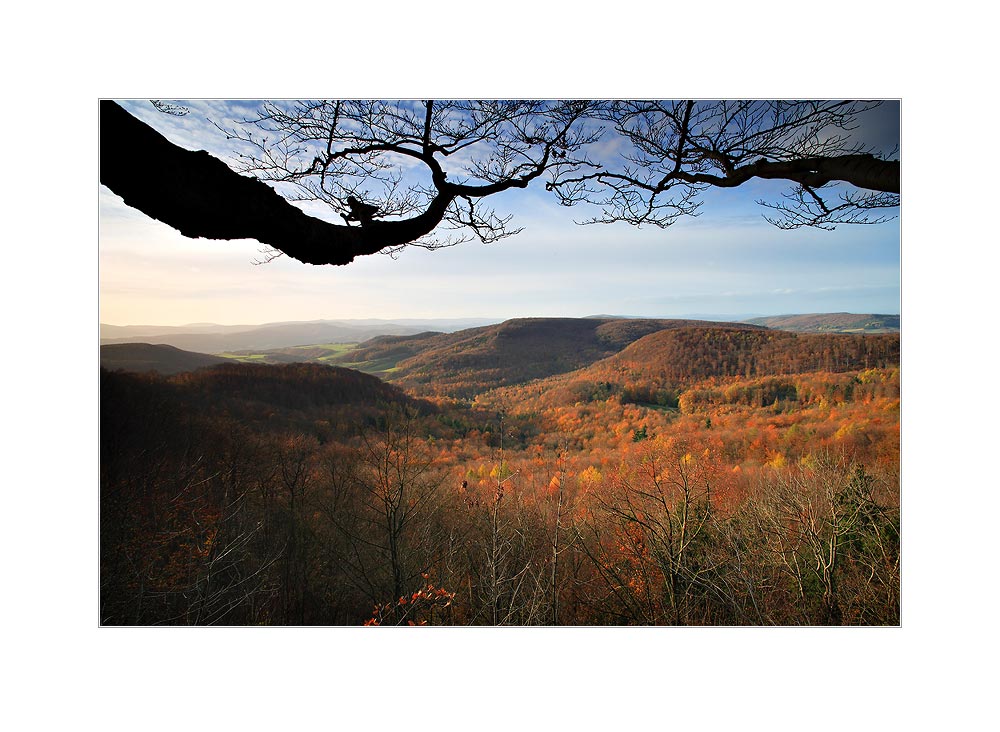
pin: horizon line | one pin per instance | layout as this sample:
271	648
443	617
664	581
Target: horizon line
684	316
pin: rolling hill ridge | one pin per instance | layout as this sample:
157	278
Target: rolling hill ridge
831	323
211	338
595	355
655	368
469	362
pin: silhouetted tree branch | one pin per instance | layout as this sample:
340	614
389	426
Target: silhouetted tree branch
409	173
380	164
677	149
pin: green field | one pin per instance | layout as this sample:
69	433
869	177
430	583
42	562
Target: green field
244	357
374	367
317	353
331	354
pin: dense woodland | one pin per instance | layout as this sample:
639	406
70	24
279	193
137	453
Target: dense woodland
647	473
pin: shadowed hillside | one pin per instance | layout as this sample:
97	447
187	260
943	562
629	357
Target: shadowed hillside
331	400
163	359
293	386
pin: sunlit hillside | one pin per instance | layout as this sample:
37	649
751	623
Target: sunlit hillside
542	471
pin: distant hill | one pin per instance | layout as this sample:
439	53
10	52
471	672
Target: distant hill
265	337
468	362
138	332
210	338
161	358
831	323
695	353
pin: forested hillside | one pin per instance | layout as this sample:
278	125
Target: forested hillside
466	363
149	357
611	473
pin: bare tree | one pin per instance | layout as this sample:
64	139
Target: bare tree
394	171
387	506
505	551
417	173
833	534
675	150
647	534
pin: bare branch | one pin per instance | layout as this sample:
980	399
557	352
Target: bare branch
396	171
678	149
175	110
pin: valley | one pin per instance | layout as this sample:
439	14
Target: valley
567	471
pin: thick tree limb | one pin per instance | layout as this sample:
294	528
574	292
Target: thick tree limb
333	152
201	196
862	171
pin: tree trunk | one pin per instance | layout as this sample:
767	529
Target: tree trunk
200	196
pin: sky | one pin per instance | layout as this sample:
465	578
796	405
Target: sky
728	262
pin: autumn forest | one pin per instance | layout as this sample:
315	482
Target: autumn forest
537	472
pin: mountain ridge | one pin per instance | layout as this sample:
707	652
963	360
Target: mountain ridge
468	362
215	339
831	322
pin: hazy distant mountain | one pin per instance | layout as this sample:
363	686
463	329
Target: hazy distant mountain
137	332
711	317
210	338
164	359
831	323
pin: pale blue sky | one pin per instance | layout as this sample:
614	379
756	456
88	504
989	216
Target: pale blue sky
728	261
